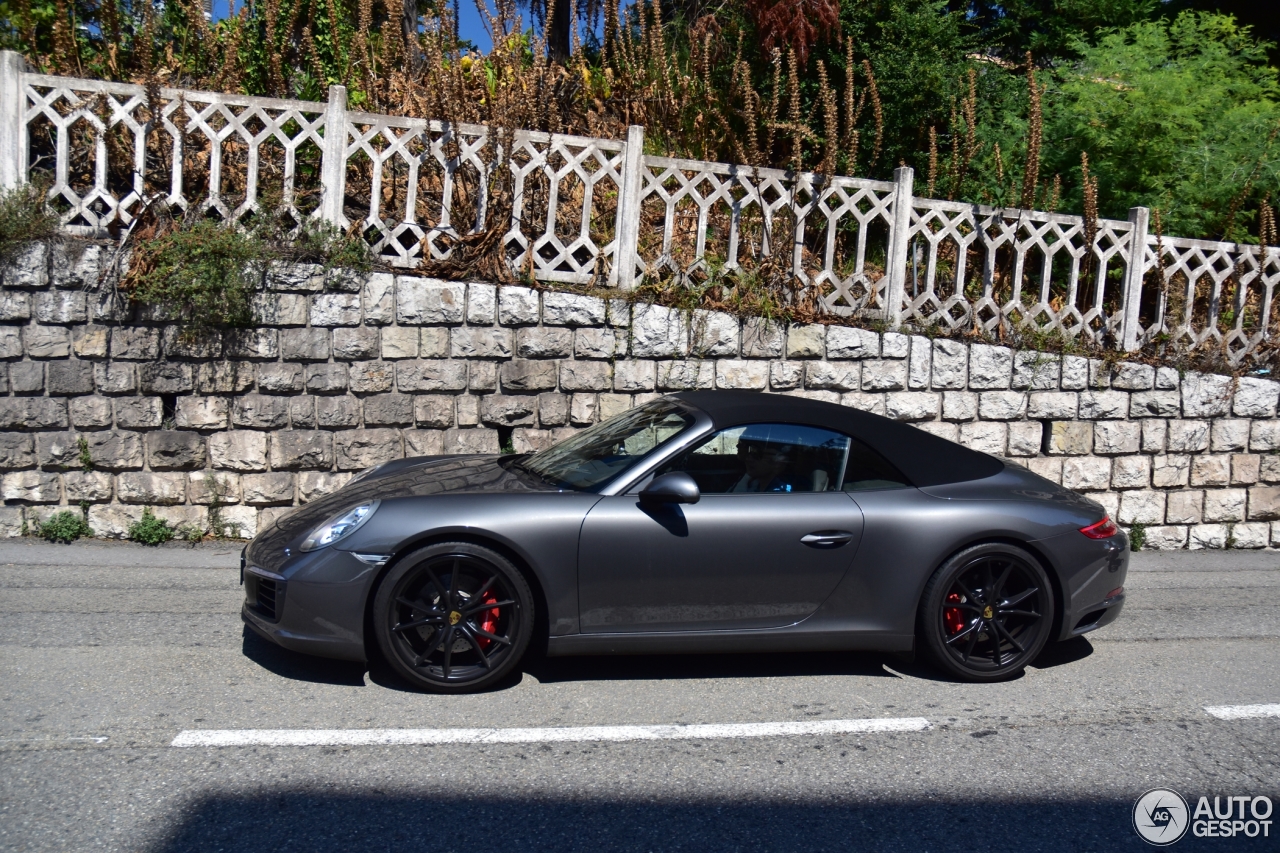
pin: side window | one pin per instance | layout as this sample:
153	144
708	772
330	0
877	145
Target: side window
868	470
766	458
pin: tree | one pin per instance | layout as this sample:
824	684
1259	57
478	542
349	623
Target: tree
917	50
1179	114
1048	28
564	14
1261	15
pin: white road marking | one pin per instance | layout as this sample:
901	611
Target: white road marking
28	740
388	737
1242	712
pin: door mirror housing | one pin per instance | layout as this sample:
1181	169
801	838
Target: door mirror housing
674	488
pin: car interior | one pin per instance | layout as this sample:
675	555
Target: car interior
807	460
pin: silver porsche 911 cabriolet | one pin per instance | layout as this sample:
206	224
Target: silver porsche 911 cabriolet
707	521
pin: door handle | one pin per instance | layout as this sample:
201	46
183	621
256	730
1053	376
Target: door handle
827	537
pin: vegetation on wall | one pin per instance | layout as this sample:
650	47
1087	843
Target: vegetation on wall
150	530
196	270
65	526
201	273
24	219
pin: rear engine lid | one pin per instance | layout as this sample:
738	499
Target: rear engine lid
1015	483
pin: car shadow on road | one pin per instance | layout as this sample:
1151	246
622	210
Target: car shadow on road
559	670
1061	654
300	667
664	668
1053	655
671	667
303	667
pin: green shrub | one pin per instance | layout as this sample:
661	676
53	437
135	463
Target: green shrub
24	218
150	530
199	272
318	242
1137	536
86	458
65	527
206	273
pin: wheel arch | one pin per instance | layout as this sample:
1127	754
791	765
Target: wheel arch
1055	582
541	612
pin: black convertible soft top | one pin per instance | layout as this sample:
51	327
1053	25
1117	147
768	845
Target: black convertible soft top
926	459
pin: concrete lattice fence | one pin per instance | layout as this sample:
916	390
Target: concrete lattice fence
588	210
102	407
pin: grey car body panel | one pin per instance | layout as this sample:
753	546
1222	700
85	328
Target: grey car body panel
727	562
539	530
609	570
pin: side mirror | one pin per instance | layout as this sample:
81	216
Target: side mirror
674	488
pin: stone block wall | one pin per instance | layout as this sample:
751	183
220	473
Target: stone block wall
108	405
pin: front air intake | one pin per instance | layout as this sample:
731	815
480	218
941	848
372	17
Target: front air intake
264	596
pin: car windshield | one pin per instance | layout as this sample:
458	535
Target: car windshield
589	460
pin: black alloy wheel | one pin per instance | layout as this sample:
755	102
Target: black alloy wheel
454	617
987	612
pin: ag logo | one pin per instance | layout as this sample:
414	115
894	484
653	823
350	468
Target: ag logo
1161	817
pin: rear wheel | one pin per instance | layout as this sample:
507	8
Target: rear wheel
454	617
987	612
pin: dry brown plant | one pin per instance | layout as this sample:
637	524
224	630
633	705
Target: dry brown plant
933	160
1035	133
963	135
877	111
1267	225
1090	186
831	123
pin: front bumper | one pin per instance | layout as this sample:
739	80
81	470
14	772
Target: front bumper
311	603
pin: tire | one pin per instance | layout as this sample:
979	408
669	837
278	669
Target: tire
433	632
987	613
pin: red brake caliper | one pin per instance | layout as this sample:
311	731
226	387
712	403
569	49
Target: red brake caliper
953	617
488	619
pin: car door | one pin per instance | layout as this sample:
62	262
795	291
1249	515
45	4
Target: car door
753	552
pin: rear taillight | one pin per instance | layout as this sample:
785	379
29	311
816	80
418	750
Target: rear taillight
1104	529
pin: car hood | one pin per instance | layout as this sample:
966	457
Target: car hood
420	477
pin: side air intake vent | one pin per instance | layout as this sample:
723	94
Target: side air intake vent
264	596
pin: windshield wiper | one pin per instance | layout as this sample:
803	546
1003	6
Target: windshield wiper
519	465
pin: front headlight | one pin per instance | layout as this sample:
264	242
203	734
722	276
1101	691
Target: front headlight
343	524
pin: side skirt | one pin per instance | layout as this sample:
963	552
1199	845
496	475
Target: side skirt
700	642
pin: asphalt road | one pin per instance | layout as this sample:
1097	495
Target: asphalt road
108	652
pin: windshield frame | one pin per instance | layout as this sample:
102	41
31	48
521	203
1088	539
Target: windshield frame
698	428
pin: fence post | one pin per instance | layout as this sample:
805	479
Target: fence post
627	228
1130	329
333	162
895	293
13	129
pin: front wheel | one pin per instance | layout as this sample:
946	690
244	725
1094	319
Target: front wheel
987	612
454	617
